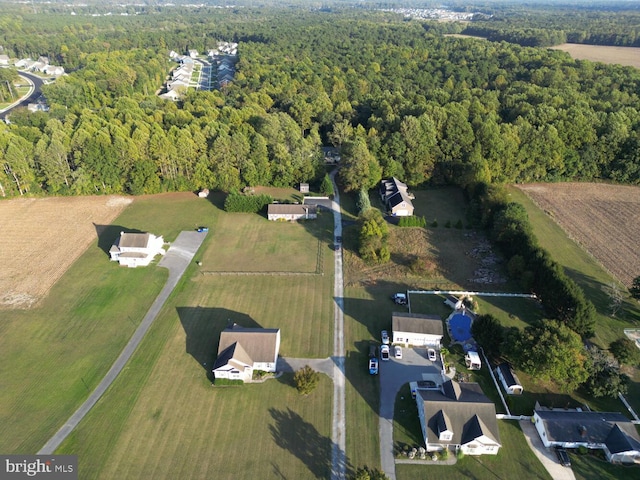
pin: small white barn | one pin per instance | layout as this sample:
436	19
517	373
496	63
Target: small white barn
508	379
243	350
416	329
287	211
472	360
136	249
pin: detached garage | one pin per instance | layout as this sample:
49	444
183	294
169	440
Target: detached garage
417	330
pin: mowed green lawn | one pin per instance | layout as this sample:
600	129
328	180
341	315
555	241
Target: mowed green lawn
54	355
249	243
163	405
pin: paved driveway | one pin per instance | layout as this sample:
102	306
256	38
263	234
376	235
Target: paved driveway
176	260
544	454
393	375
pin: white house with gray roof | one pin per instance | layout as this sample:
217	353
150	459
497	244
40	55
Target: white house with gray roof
613	433
243	350
136	249
416	329
289	211
458	416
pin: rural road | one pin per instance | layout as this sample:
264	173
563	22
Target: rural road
338	435
34	92
176	260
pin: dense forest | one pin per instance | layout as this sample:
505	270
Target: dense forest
395	95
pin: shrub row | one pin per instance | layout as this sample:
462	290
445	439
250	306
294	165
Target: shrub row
412	221
236	202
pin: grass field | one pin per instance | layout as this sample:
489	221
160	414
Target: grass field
163	407
56	353
163	403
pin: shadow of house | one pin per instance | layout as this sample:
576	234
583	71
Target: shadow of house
203	326
300	438
107	235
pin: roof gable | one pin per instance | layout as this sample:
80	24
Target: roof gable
465	410
233	355
260	344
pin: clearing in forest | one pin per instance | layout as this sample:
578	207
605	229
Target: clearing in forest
604	219
42	237
629	56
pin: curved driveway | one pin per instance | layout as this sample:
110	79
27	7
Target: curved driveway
176	260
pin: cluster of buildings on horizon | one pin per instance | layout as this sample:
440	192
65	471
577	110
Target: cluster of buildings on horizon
435	13
221	65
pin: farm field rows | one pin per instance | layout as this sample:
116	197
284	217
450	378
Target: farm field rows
42	237
604	219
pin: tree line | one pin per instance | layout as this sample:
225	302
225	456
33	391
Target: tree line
397	98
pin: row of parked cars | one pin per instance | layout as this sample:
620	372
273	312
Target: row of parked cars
385	352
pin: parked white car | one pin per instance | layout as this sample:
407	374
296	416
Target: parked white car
432	354
397	352
384	353
385	337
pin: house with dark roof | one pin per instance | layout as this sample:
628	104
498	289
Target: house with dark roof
458	416
243	350
417	329
288	211
136	249
508	379
613	433
396	197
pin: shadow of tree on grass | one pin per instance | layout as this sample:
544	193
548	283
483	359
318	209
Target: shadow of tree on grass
292	433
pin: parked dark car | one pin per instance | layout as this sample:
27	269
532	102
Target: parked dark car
563	457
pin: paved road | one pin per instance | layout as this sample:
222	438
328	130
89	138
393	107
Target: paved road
393	375
322	365
544	454
35	92
176	260
338	430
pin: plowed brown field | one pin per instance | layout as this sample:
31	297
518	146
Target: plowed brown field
604	219
41	237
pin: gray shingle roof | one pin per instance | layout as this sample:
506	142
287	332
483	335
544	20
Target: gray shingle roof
291	209
417	323
468	413
258	343
586	427
133	240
